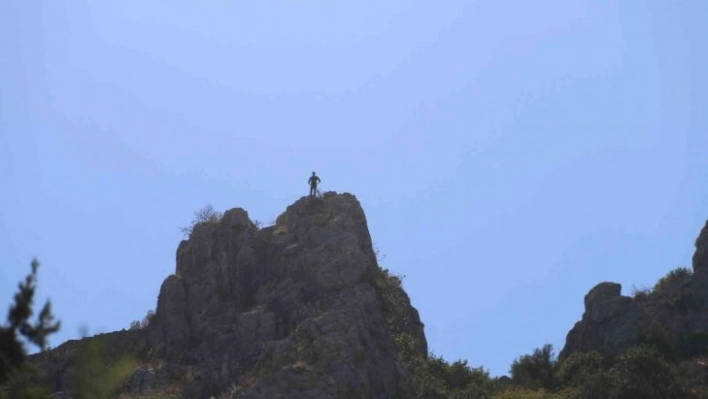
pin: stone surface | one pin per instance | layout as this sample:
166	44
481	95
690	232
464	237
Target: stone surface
674	313
611	323
296	310
142	381
292	308
700	257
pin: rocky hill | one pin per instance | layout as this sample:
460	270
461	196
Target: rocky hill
672	315
296	310
301	309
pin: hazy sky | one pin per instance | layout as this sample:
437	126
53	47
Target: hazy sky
509	155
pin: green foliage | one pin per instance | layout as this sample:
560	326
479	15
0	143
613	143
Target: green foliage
692	345
579	368
433	377
585	376
673	279
206	215
394	301
657	337
640	293
97	376
524	393
642	372
535	370
21	384
144	323
12	351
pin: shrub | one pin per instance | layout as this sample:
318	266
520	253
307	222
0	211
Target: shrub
527	394
535	370
693	344
644	373
144	323
205	215
98	376
640	293
576	369
673	279
436	378
656	336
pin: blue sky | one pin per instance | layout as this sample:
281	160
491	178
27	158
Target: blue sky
509	155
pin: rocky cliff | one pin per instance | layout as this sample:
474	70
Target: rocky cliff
296	310
673	315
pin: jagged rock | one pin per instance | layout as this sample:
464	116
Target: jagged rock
700	257
673	315
293	306
296	310
172	331
611	323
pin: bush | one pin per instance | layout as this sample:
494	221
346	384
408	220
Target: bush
643	372
578	368
658	337
693	344
640	293
436	378
98	376
673	279
535	370
205	215
144	323
527	394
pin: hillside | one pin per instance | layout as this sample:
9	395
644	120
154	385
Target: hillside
301	309
296	310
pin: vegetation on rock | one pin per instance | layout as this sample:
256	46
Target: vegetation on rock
303	309
205	215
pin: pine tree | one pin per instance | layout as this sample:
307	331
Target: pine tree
12	350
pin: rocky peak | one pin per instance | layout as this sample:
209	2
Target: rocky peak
295	310
610	324
291	310
700	257
673	313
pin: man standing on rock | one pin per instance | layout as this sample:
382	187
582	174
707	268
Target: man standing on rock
313	184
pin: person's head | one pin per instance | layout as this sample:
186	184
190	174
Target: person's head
313	173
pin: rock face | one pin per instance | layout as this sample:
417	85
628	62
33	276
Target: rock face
611	323
700	257
673	315
288	311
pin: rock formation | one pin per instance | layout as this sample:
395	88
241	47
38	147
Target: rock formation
672	315
295	310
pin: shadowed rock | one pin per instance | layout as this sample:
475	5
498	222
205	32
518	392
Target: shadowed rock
295	310
673	315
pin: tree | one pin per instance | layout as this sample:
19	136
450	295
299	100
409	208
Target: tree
207	214
19	327
644	373
535	370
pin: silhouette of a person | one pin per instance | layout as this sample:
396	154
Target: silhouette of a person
313	184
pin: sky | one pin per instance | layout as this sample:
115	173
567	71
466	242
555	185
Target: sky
509	155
